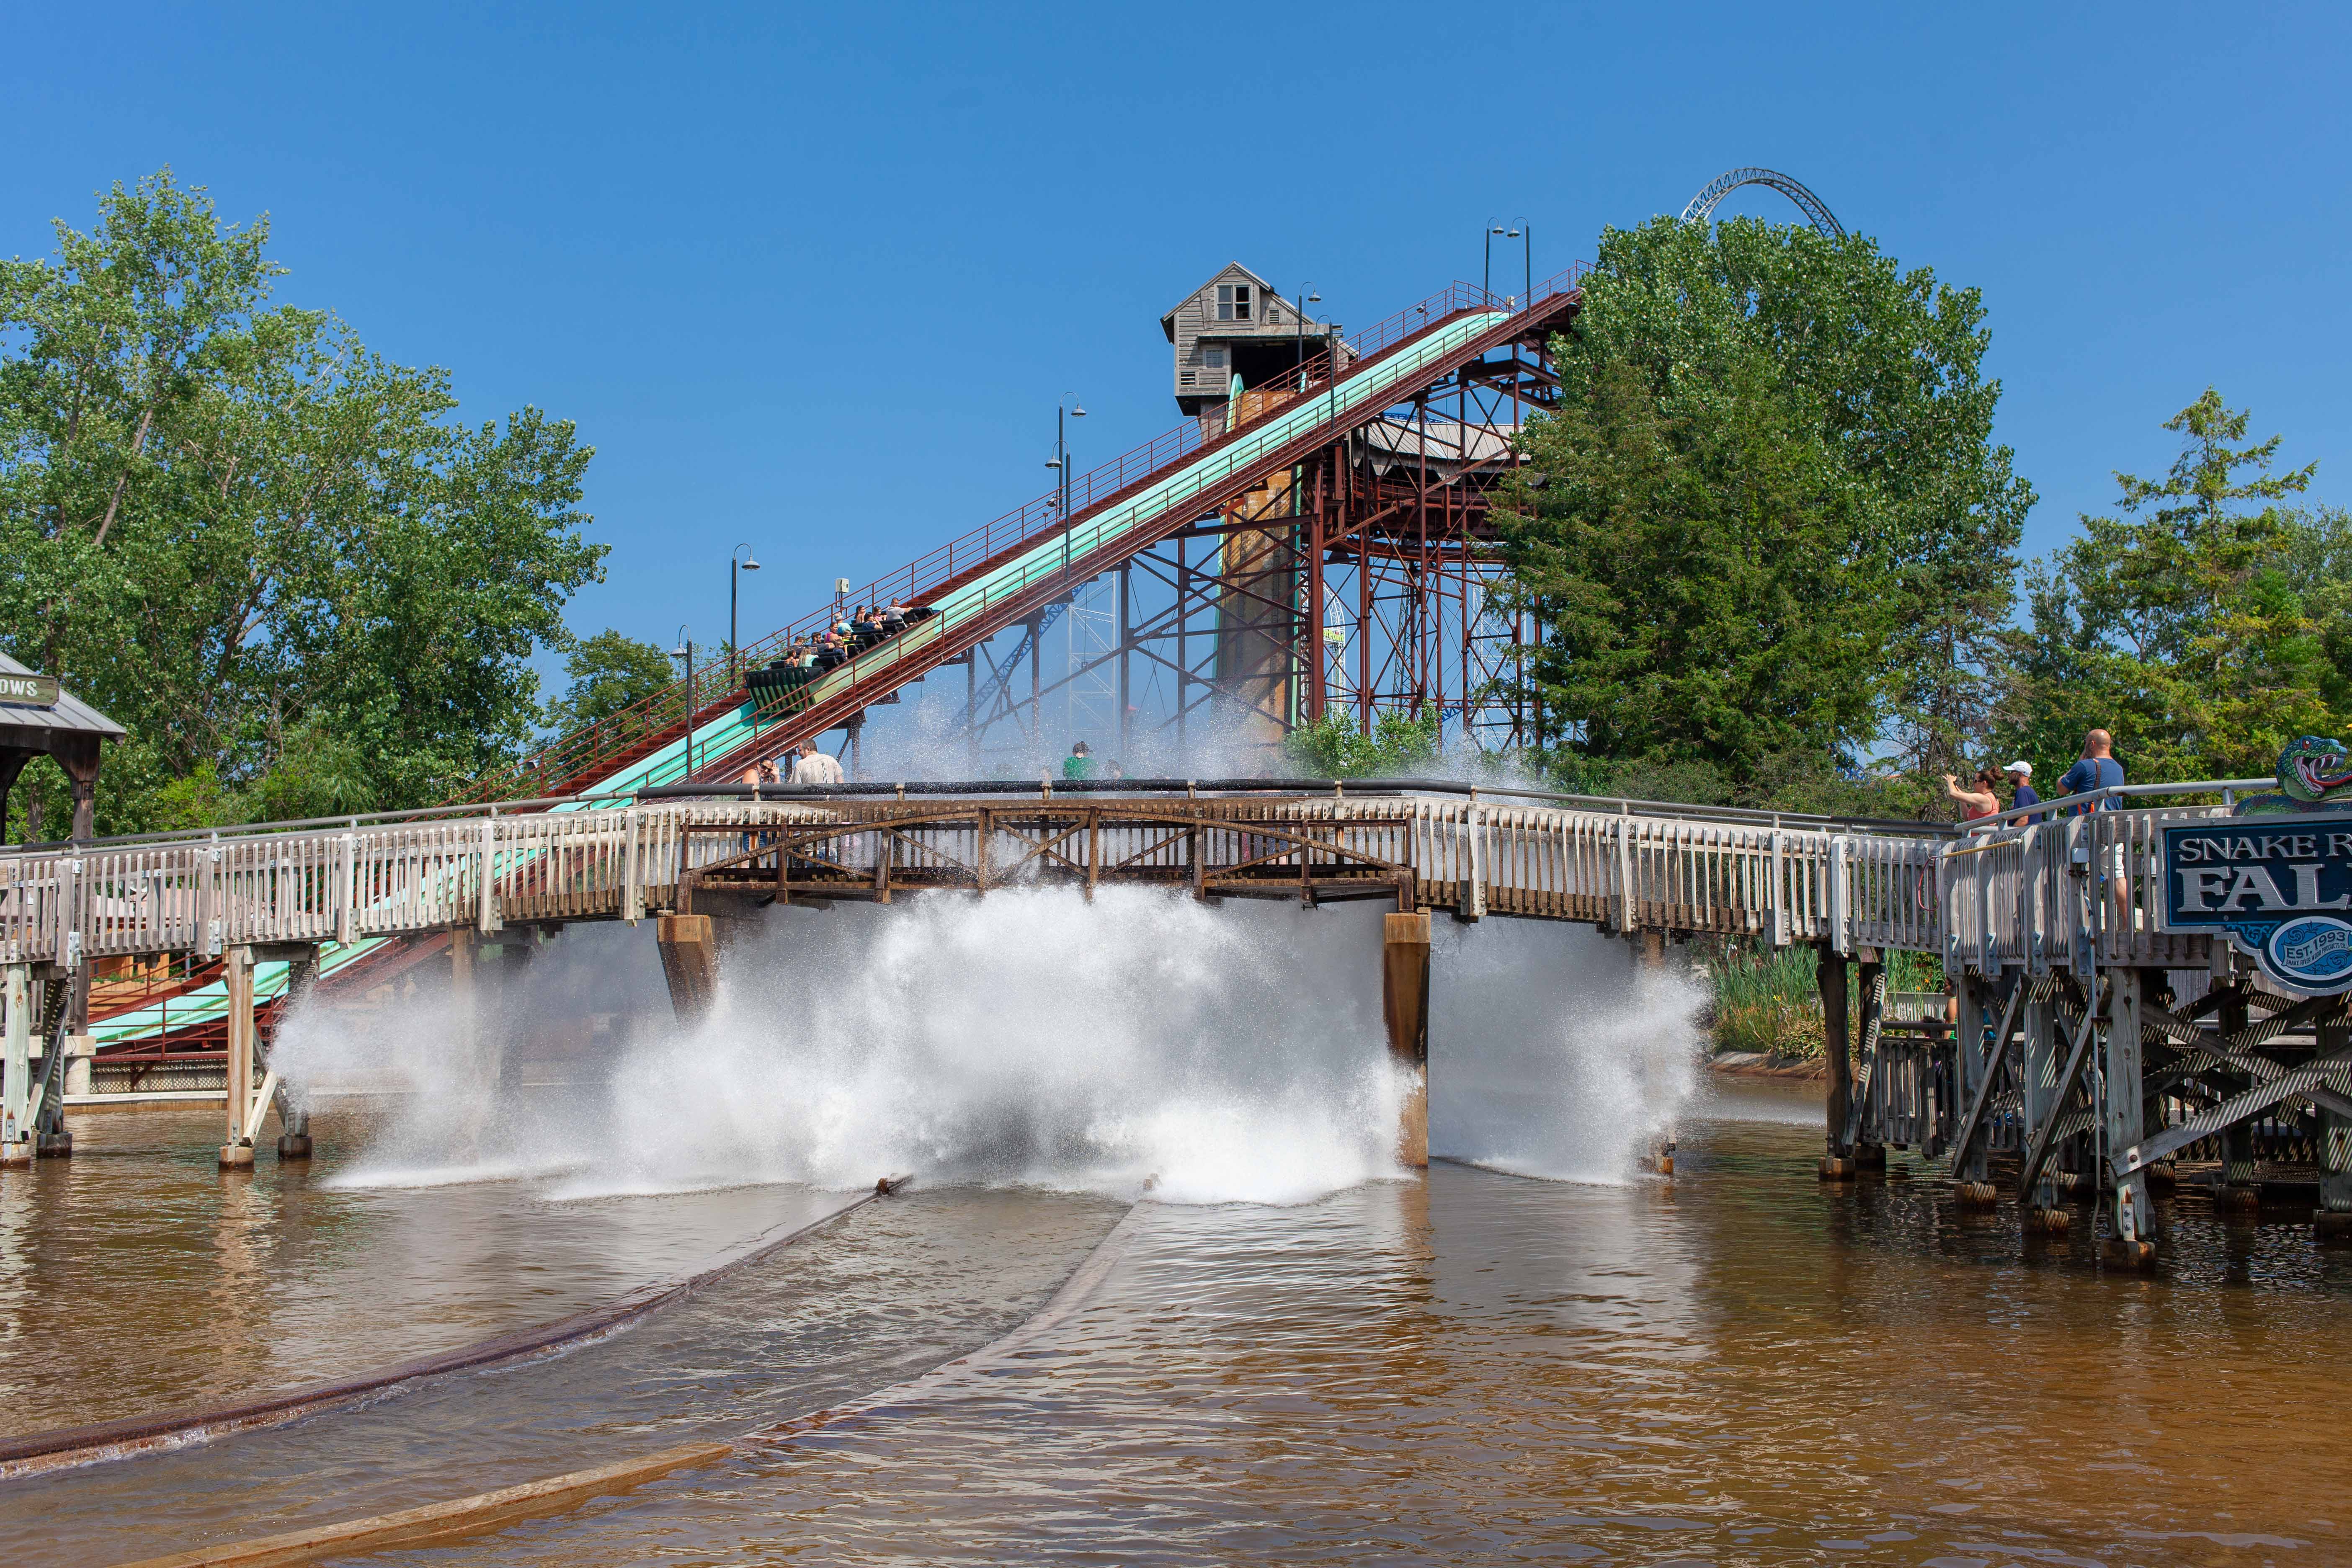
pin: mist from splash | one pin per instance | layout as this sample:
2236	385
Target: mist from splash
1140	1042
1553	1052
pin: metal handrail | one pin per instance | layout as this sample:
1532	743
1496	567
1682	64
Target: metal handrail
2088	800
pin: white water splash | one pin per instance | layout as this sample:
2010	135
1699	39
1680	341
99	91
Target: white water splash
1215	1054
1554	1054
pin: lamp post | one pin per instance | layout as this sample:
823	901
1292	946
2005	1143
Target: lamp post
685	650
734	648
1307	296
1487	279
1060	463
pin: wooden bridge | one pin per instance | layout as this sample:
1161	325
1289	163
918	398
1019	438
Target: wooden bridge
2081	1059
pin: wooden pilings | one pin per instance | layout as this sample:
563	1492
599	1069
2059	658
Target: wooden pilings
1829	977
2333	1218
15	1095
1404	1003
236	970
689	955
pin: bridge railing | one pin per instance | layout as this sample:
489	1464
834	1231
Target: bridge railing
2065	893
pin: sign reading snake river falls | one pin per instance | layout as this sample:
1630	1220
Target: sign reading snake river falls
2281	888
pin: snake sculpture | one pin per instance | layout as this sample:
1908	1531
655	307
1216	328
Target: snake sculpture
2317	775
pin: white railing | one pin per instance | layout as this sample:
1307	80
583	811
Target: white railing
2064	893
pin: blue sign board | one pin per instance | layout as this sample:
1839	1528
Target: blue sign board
2281	886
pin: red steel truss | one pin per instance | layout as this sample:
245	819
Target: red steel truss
1377	581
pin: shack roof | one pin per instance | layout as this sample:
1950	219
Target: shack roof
70	716
1265	290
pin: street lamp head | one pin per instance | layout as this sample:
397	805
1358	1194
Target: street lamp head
750	565
1053	462
1511	234
1314	298
1077	411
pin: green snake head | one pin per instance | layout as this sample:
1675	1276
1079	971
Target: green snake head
2313	768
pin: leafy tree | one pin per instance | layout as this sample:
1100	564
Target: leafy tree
610	673
1767	519
2186	626
1332	747
246	537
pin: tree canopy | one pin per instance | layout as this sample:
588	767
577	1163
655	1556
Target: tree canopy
1767	527
282	560
2203	627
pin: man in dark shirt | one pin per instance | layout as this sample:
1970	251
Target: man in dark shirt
2021	779
2096	769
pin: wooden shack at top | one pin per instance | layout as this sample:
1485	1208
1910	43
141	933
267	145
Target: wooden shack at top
1237	324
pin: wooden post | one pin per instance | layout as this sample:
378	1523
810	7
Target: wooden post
2132	1242
2236	1189
1404	1002
237	1152
2333	1219
1869	1152
294	1119
16	1094
689	956
1829	976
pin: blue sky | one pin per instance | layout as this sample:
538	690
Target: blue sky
815	279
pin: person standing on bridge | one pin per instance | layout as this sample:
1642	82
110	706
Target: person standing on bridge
1080	763
2023	793
815	768
2096	769
1974	802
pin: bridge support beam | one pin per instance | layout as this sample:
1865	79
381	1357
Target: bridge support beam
1404	1002
2132	1240
16	1094
294	1117
2236	1188
236	969
1829	977
1863	1141
2333	1218
689	955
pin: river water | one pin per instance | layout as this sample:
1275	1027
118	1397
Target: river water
1735	1365
1286	1352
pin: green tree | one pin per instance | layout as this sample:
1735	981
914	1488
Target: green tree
2186	625
1767	519
246	537
1332	747
610	673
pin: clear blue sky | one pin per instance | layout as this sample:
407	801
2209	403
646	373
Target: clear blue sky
814	278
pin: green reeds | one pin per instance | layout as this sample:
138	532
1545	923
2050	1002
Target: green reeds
1767	999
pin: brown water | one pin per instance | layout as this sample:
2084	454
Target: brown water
1734	1366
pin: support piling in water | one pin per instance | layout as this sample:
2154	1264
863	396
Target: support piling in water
1404	1003
1829	977
689	956
237	1151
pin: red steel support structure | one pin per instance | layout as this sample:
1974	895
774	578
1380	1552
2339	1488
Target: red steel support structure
1381	581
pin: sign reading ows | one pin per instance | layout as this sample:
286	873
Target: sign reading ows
2281	889
28	690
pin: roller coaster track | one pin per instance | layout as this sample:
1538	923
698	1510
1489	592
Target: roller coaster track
1701	206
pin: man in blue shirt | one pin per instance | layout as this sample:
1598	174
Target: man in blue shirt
2098	769
2021	779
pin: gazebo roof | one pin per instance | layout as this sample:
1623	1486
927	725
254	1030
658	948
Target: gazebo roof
70	716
